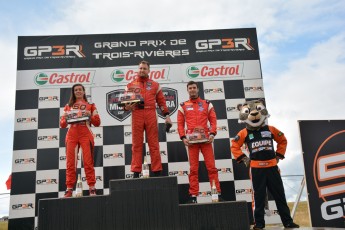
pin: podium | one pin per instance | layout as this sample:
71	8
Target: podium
145	203
139	204
215	216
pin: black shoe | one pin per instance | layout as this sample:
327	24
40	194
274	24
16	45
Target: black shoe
255	227
291	225
136	175
192	200
157	174
220	198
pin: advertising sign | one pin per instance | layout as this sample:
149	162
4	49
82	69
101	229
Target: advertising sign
324	162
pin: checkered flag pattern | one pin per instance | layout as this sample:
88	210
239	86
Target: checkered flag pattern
39	159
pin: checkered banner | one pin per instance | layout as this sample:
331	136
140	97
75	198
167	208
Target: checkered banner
225	63
324	164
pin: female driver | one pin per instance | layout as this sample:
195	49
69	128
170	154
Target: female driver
79	134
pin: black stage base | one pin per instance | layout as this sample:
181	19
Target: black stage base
215	216
145	203
139	204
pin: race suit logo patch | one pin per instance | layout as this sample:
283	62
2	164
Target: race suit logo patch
266	134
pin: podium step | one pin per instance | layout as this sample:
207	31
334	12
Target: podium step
131	204
74	213
145	203
139	204
215	216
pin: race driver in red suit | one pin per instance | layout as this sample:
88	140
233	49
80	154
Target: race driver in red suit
198	112
144	117
79	135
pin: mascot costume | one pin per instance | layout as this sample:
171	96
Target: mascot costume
262	160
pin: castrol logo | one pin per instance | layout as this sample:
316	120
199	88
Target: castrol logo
64	78
127	75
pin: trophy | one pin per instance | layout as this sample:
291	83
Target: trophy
75	116
197	135
131	96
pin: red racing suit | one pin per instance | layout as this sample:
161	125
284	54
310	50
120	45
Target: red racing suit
264	172
197	112
80	135
144	117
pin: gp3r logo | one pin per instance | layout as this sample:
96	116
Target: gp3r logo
60	50
223	43
329	177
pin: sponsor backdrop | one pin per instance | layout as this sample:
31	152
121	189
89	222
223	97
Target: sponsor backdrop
225	63
324	161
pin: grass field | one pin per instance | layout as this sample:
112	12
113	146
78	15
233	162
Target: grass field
4	225
301	216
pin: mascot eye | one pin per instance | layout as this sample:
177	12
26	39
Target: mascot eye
245	110
260	107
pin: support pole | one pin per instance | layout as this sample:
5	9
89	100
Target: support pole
293	212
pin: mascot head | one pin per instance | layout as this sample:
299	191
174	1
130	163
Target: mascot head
253	113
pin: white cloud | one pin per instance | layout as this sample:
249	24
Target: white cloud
8	80
5	197
312	85
4	205
311	88
136	16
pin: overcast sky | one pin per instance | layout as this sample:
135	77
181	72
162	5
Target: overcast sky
302	50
